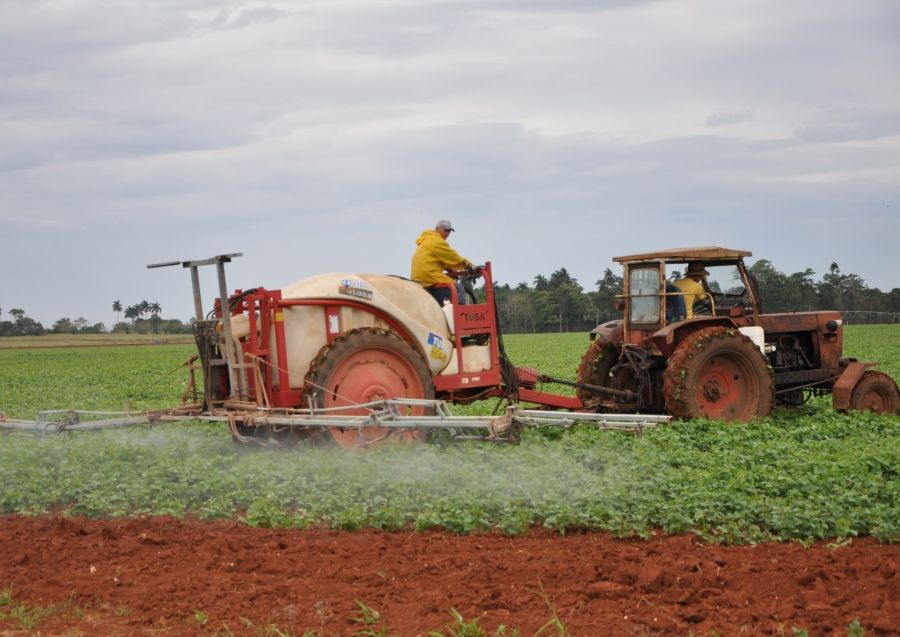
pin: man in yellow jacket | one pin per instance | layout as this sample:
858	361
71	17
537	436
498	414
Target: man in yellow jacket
432	257
691	286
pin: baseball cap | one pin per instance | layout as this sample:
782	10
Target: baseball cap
443	224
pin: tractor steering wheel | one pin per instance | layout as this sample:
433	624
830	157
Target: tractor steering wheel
703	307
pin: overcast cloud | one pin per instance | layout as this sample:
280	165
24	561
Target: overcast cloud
325	135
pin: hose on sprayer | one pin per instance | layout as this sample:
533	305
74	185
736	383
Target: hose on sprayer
507	370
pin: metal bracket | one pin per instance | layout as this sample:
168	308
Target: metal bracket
235	379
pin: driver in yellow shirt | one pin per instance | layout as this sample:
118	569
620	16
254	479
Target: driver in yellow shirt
691	286
434	255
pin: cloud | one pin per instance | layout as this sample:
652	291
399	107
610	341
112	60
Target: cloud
323	136
845	127
724	119
245	17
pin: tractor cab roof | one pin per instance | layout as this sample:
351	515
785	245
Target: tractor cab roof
707	254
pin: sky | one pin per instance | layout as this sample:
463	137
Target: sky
324	136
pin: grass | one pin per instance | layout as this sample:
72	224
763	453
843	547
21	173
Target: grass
92	340
20	615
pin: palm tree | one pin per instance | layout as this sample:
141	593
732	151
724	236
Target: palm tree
132	312
117	308
154	308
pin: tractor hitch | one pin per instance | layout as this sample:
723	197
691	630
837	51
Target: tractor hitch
622	394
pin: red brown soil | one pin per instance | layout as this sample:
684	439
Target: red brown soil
162	576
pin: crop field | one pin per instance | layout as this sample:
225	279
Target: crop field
699	497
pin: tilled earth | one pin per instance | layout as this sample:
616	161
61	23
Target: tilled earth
164	576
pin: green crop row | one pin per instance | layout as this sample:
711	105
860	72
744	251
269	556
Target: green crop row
800	474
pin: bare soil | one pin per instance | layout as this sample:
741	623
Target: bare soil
163	576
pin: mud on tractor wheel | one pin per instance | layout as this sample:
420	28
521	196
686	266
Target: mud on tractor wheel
876	392
599	366
364	365
718	373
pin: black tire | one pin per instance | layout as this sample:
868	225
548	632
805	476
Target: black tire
718	373
875	391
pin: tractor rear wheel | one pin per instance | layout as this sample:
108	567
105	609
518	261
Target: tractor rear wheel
876	392
365	365
595	368
718	373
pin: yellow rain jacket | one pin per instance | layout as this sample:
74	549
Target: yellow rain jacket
432	257
693	293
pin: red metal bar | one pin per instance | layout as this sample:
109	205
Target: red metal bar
468	380
550	400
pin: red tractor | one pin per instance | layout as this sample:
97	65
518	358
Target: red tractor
729	361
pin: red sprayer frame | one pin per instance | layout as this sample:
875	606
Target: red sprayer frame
265	311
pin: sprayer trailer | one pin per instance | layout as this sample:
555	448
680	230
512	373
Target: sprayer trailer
359	358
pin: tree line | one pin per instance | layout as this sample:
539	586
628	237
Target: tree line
140	318
554	303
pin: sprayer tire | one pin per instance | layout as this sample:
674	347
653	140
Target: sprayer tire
718	373
369	364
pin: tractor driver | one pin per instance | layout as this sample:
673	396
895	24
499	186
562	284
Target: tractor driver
432	257
691	286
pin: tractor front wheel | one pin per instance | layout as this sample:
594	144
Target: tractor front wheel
365	365
876	392
718	373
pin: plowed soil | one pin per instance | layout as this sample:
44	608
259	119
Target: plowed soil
162	576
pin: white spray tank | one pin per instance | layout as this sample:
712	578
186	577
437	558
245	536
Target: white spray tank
448	314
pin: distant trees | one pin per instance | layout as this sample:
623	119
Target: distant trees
138	310
556	303
80	325
835	291
21	325
153	323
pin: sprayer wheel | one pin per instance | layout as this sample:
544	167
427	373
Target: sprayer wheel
718	373
364	365
876	392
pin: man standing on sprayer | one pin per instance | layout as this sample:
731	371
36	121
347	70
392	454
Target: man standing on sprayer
432	257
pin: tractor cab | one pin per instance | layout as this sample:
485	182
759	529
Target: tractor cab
658	291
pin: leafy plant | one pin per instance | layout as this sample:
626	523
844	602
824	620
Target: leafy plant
798	475
460	627
20	614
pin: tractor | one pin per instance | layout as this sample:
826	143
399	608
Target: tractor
729	361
